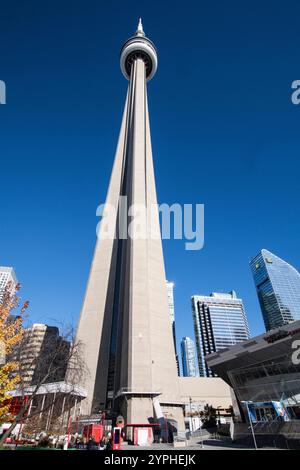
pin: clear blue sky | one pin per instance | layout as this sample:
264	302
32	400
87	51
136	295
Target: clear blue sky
224	133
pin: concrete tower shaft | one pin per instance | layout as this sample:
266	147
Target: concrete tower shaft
124	324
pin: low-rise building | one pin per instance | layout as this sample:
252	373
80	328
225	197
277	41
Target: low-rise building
264	373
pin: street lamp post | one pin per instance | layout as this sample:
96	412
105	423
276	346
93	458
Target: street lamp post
201	423
219	415
103	418
251	424
192	427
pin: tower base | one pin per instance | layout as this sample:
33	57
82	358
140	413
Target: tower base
141	410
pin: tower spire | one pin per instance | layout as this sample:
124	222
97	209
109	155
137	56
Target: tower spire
138	46
140	31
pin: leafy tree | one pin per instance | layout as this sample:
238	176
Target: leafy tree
11	334
59	361
208	416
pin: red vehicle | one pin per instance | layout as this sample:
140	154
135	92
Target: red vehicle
94	431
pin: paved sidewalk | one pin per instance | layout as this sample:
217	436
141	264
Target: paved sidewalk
194	444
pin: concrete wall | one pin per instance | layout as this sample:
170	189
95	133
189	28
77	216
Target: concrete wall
212	390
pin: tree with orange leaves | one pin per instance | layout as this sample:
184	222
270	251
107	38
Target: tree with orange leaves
11	334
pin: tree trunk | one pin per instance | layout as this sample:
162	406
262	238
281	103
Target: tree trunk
8	432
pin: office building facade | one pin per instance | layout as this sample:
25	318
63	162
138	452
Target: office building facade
278	289
219	322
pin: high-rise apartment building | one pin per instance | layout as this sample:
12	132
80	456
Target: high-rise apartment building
278	289
43	350
219	322
8	280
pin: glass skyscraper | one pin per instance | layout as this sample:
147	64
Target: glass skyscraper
278	289
188	355
219	322
170	292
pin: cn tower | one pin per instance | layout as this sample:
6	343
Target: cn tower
124	325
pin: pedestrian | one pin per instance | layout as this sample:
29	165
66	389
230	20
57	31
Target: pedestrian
102	443
108	444
54	442
66	443
91	444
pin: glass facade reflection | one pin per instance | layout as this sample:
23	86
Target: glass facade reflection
278	289
189	361
219	322
273	380
170	292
